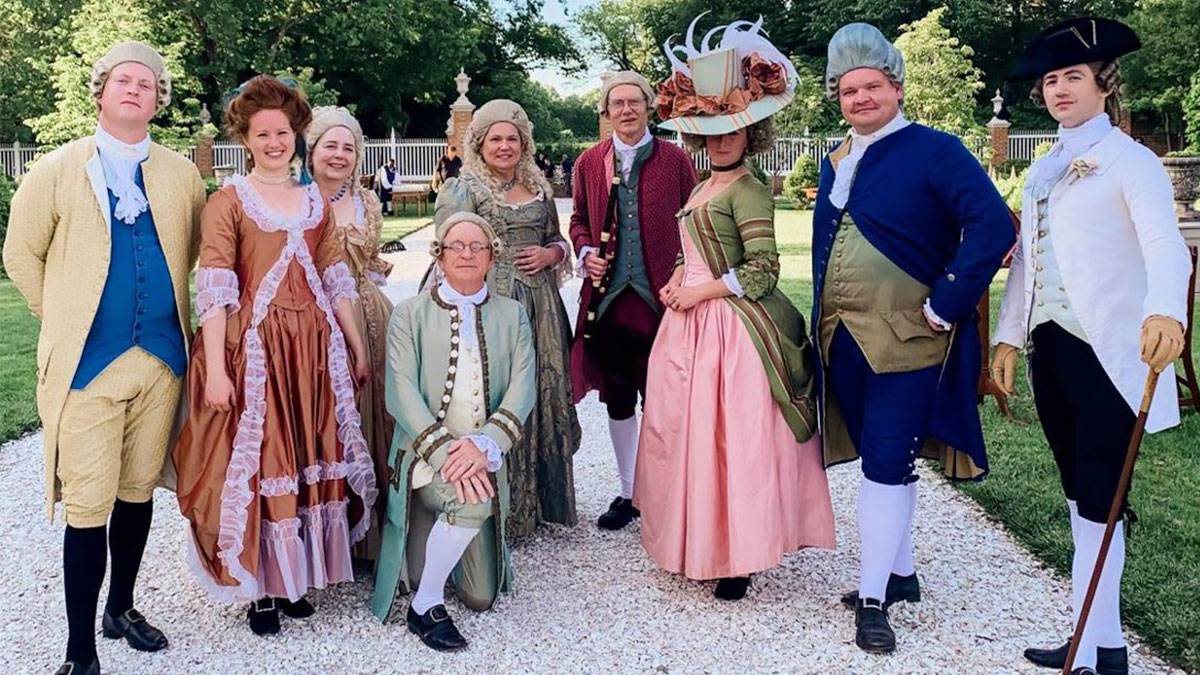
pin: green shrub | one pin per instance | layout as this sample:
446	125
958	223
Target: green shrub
1191	114
804	176
1010	185
758	173
6	193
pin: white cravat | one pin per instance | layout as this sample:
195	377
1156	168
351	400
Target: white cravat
120	161
628	152
466	305
1072	144
843	177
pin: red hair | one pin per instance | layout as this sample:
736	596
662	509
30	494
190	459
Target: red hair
264	92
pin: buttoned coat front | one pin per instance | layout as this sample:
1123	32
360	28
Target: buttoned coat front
57	255
1122	258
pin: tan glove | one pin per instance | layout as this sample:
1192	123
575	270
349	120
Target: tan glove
1004	367
1162	341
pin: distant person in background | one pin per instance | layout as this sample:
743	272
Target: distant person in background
385	179
568	166
447	167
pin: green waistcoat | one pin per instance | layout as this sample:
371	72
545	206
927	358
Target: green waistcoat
629	267
881	306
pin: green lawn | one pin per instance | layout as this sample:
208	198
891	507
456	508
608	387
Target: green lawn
1161	590
18	364
395	227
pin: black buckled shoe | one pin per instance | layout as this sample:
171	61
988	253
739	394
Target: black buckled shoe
732	588
263	616
300	609
619	514
906	589
873	633
436	629
1109	661
1084	670
132	626
77	668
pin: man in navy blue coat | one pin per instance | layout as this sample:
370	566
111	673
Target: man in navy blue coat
908	231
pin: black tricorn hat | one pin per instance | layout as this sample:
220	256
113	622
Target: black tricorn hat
1074	41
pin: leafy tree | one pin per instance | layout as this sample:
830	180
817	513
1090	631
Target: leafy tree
1158	75
618	33
31	36
1191	114
811	111
940	80
95	28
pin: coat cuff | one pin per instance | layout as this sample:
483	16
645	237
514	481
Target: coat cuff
216	288
583	253
431	438
504	428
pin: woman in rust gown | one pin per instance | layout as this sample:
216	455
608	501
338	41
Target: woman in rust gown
273	471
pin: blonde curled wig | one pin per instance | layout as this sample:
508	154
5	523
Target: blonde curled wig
1108	78
760	137
528	174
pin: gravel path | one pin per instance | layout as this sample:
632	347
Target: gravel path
586	600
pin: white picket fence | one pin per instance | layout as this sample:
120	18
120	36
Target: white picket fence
416	158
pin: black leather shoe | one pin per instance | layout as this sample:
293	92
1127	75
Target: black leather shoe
77	668
874	633
619	514
1084	670
263	616
907	589
1109	661
732	588
436	629
132	626
300	609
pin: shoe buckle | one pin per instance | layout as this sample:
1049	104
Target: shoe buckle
439	614
70	668
872	603
264	605
133	616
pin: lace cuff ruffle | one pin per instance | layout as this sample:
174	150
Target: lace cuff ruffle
216	287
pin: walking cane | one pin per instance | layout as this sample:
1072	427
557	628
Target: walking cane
1114	513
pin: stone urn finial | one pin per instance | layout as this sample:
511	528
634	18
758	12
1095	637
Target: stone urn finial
463	81
1184	173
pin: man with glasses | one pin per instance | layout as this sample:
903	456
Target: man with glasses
653	179
460	383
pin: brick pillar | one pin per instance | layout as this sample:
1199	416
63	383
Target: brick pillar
204	155
462	111
605	128
1126	120
998	133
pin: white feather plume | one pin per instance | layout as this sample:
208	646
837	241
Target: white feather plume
743	36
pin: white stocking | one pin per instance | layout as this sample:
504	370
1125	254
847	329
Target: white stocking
624	435
443	550
883	516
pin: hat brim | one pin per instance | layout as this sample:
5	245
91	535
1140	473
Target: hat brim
1059	46
717	125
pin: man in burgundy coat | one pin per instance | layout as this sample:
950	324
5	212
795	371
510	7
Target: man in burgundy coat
657	178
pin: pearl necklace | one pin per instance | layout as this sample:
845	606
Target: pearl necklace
269	180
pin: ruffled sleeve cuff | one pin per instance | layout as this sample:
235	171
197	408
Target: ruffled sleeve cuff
216	288
339	283
495	457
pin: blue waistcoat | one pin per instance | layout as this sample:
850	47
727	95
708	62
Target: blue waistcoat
137	306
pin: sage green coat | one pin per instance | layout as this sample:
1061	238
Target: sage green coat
422	349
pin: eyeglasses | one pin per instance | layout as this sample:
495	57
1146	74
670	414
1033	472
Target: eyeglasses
460	246
634	104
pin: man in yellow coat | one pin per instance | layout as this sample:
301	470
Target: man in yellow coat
102	235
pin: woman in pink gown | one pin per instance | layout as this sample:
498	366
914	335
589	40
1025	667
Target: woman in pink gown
729	474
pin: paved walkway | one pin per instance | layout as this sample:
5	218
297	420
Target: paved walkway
586	600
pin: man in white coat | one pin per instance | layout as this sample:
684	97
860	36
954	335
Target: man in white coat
1097	292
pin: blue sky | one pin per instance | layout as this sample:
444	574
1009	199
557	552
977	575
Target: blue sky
555	11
